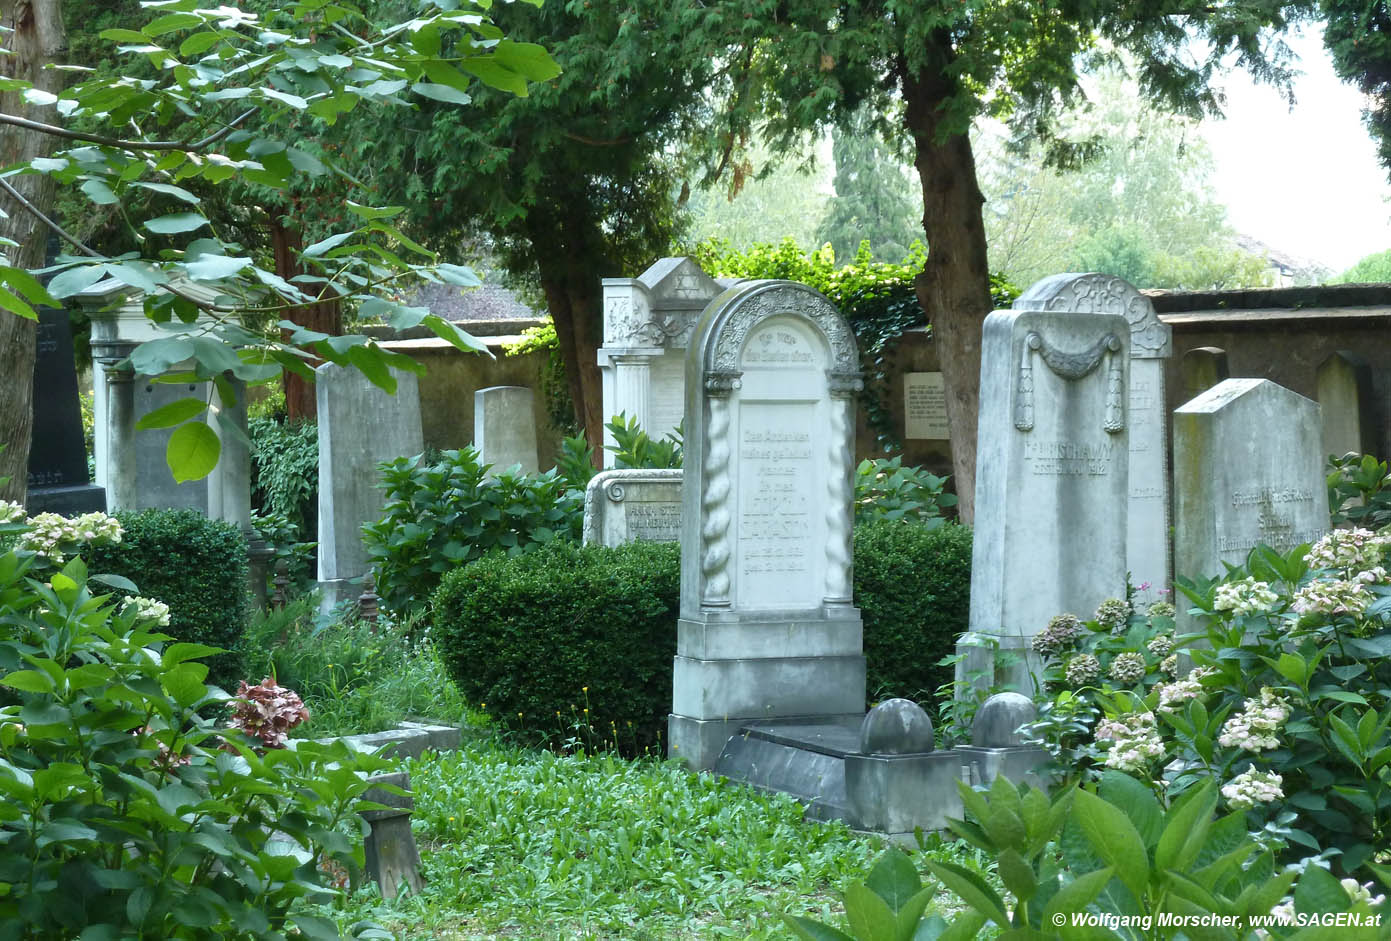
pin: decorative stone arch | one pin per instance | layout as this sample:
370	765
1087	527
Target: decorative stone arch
1103	294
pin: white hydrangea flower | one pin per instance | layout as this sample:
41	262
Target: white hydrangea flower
1361	893
1329	596
54	537
1134	739
1247	596
1348	551
1254	728
148	609
1172	695
1253	787
11	512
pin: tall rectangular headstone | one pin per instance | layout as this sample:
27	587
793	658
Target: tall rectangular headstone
360	426
1052	481
58	479
1248	469
1344	383
504	427
1151	343
767	627
647	326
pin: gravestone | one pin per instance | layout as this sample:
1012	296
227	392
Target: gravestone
58	480
925	407
360	426
1052	482
633	505
1151	344
647	326
767	627
1344	383
504	428
1248	469
1202	368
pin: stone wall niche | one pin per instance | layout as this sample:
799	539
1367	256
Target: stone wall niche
767	627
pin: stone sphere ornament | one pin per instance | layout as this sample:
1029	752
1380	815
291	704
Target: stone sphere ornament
896	727
998	719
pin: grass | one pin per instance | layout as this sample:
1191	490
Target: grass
530	844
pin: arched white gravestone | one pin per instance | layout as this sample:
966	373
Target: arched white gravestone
1052	486
767	627
1147	546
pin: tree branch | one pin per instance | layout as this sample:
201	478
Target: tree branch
38	214
56	131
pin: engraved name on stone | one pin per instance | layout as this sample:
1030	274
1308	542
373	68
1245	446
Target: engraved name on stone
653	522
1268	515
776	509
778	348
1069	458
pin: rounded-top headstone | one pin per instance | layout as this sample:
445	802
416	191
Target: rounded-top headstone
999	718
1103	294
896	727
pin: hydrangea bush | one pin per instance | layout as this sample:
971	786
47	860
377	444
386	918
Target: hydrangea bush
1287	706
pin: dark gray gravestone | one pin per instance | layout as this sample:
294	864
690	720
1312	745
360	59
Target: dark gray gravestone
58	480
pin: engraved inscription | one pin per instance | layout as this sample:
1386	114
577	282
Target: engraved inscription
653	522
1069	458
775	505
1277	516
925	406
778	346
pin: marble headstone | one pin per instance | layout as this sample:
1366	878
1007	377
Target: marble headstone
1344	382
504	427
633	505
1201	368
1052	482
1248	469
360	426
58	480
1151	344
767	627
647	326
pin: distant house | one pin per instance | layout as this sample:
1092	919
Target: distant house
1286	270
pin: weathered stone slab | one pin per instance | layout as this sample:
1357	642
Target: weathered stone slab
360	426
1151	343
504	428
803	758
1347	403
391	856
632	505
1052	484
1202	368
766	515
925	406
1248	469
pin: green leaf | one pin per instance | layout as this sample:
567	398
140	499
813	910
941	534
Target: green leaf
973	890
75	280
1017	875
192	452
215	267
174	413
441	93
1188	818
178	653
323	245
116	581
894	879
1137	801
169	189
184	683
809	930
870	917
170	23
98	192
1076	895
22	282
447	330
1113	838
178	222
29	681
495	75
198	43
16	306
138	275
1318	892
528	59
157	356
458	274
122	35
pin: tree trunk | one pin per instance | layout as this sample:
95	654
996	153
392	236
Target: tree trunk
37	38
572	294
325	317
954	286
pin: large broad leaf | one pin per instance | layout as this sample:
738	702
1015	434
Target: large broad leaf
154	357
169	189
894	879
174	413
528	59
176	223
870	917
809	930
441	93
192	452
75	280
1114	838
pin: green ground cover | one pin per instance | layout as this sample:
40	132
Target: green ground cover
519	843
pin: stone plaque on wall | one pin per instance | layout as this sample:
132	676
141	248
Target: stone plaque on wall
925	406
632	505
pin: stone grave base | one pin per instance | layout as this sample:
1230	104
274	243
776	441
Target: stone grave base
66	501
801	757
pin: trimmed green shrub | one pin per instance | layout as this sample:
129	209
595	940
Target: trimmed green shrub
913	589
539	638
197	567
565	642
445	513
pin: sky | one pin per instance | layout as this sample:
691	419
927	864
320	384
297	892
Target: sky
1304	181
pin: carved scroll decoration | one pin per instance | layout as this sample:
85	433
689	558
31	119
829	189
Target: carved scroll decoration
1071	366
783	298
